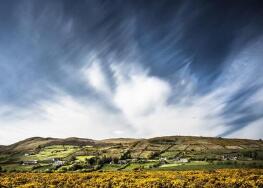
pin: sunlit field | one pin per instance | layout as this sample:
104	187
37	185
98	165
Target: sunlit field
219	178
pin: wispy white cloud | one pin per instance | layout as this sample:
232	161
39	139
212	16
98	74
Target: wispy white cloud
96	77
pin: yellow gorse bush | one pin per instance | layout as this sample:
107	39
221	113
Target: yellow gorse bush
164	179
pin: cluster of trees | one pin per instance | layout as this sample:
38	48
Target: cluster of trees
2	170
101	160
243	164
126	155
93	163
153	155
255	155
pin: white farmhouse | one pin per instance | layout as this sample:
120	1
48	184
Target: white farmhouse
184	160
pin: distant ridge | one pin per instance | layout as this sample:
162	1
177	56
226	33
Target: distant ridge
210	142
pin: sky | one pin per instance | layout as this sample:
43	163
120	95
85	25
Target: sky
102	69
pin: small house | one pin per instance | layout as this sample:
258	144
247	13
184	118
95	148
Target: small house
184	160
33	162
163	159
59	163
122	162
229	157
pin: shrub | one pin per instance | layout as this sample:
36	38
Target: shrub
126	155
115	160
91	161
217	178
63	169
75	167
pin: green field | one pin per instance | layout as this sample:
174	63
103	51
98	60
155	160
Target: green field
83	158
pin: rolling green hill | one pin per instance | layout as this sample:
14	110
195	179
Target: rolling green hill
170	152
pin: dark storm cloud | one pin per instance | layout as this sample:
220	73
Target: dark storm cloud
201	32
44	45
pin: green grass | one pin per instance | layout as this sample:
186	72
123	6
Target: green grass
170	154
202	165
112	167
170	165
197	163
256	163
44	168
133	166
192	163
149	164
3	158
56	151
145	154
146	165
17	167
82	158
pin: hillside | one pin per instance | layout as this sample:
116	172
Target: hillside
34	143
187	142
127	153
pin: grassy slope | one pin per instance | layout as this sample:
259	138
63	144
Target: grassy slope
196	148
